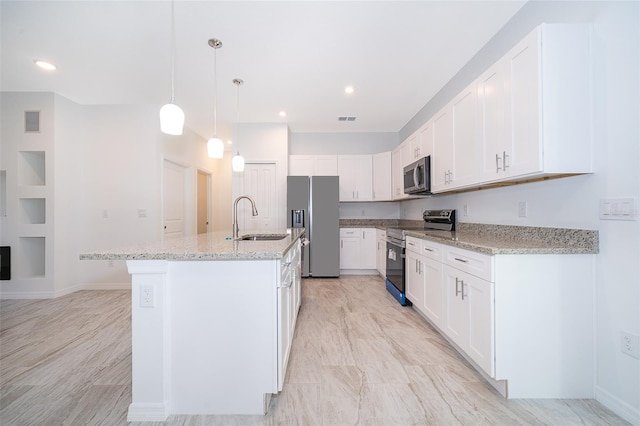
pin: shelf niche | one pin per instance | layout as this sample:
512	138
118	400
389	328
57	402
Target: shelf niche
33	210
31	257
31	168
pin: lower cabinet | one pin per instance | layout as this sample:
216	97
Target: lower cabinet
381	252
358	248
525	321
289	299
469	315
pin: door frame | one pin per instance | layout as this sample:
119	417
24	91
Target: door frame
210	194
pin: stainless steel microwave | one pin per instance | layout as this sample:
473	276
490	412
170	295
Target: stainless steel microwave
417	177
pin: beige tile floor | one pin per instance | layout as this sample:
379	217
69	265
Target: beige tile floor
358	358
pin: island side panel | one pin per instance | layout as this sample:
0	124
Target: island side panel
150	342
223	335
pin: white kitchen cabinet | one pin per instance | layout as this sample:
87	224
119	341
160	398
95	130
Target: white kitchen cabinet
426	139
358	248
397	169
464	111
535	108
356	177
413	148
520	319
313	165
381	252
442	161
382	181
414	288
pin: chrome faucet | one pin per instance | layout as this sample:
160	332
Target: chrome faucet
254	212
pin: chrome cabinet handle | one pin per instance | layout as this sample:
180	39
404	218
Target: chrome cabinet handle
504	160
457	291
461	260
497	163
428	249
462	291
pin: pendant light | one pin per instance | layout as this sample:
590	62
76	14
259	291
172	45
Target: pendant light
237	162
215	147
171	115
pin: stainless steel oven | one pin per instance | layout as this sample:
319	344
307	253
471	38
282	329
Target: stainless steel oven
395	265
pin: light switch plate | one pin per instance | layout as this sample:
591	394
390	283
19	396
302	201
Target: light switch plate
618	208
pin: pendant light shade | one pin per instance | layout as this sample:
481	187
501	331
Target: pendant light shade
171	115
171	119
215	147
237	163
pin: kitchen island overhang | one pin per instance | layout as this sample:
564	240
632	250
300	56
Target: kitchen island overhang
212	323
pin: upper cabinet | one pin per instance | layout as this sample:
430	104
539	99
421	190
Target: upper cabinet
398	160
534	107
442	161
313	165
356	177
382	184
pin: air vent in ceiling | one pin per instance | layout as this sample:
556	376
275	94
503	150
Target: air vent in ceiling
32	121
346	118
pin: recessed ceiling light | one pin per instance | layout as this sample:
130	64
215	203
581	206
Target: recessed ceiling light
44	65
348	90
229	142
283	114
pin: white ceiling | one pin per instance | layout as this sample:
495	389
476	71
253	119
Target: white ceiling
296	56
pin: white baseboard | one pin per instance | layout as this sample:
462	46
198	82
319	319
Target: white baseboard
149	412
107	286
6	295
621	408
358	272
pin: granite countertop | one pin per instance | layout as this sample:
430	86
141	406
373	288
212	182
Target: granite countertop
499	239
209	246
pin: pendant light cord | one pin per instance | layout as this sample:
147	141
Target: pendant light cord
173	53
215	94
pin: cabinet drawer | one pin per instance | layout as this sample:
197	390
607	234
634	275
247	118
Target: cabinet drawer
414	245
350	232
477	264
431	250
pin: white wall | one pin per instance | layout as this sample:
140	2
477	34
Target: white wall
573	202
342	143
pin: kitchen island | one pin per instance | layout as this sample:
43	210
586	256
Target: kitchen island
212	322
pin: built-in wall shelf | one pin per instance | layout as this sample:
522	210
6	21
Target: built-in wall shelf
33	210
31	168
31	258
3	193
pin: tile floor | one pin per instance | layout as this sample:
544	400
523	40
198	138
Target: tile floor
358	358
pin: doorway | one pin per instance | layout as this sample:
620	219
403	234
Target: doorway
203	201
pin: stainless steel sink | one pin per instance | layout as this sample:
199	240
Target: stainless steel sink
262	237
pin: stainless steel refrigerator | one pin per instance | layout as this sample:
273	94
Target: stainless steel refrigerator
313	204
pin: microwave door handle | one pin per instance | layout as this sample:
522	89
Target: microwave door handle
415	176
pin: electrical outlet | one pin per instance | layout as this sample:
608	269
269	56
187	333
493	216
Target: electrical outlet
522	209
146	296
465	210
631	345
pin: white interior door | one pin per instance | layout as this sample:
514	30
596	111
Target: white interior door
260	184
174	205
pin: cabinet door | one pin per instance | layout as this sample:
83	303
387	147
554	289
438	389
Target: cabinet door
464	111
368	249
457	311
433	291
347	169
350	248
364	178
405	153
325	165
493	130
284	324
442	161
415	283
300	165
524	153
397	169
413	146
426	139
382	176
381	253
479	297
